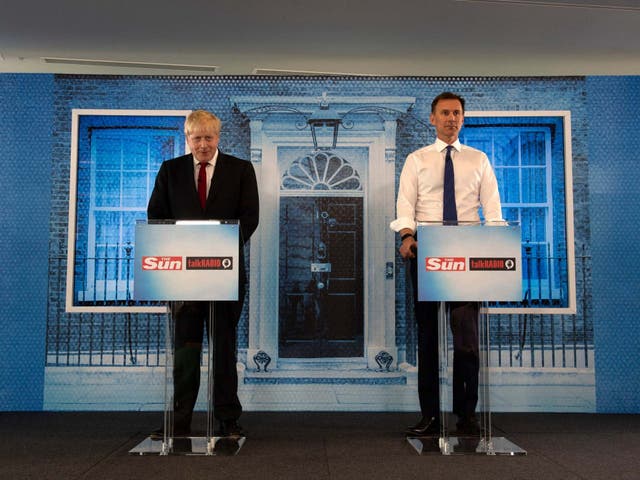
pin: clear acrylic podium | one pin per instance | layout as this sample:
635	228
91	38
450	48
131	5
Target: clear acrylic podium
177	261
467	262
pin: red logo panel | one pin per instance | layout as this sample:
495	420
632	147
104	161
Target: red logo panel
446	264
161	263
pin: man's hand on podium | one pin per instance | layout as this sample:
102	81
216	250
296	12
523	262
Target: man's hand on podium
409	246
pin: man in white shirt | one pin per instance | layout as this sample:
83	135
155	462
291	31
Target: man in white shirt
420	199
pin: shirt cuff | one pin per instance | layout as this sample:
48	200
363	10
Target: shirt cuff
402	222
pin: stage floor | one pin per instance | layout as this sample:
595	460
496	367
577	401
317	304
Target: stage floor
317	445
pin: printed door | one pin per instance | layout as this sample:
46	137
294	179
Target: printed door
320	278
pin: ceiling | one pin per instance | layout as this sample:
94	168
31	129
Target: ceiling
363	37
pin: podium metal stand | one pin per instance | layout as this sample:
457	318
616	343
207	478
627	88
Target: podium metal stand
187	261
467	262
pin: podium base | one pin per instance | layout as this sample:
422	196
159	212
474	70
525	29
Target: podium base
464	445
223	446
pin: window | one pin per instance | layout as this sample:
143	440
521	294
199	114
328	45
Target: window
321	171
530	153
115	158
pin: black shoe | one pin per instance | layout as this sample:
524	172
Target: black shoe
468	426
230	428
426	427
178	431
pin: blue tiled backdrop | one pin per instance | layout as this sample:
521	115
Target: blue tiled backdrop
35	142
614	165
26	109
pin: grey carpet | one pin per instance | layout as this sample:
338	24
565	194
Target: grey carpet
310	446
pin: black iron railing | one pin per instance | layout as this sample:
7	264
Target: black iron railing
119	338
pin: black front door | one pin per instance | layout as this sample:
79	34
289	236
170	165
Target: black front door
320	277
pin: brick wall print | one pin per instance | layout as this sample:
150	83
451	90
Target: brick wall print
327	324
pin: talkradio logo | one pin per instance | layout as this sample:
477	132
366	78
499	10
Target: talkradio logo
492	263
209	263
161	263
446	264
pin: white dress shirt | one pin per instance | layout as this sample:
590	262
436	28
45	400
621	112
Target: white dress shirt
211	166
422	182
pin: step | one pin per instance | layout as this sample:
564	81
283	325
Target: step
334	377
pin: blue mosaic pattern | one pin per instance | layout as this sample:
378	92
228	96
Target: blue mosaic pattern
25	192
614	143
604	194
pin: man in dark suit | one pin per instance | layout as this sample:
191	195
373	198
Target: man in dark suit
206	184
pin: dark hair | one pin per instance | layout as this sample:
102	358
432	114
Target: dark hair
446	96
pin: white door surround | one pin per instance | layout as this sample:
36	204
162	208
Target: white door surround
368	122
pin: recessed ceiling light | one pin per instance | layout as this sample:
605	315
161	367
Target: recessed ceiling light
629	5
127	64
306	73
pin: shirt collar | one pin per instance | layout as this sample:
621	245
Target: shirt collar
441	145
211	162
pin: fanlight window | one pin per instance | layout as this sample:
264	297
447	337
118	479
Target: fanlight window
321	171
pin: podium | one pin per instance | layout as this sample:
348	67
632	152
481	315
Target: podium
467	262
177	261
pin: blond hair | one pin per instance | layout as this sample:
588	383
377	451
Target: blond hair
201	117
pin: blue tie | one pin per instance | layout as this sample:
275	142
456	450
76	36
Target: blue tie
449	213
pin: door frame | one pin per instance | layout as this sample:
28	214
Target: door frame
375	132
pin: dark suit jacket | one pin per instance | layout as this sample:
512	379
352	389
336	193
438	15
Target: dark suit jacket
233	195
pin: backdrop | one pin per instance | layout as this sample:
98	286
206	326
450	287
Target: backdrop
326	323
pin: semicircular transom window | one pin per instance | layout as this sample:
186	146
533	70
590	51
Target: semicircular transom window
321	171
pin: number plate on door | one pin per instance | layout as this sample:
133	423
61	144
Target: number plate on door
321	267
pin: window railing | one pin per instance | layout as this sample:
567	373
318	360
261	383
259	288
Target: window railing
137	339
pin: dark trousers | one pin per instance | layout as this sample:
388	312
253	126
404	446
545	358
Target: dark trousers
190	321
463	320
